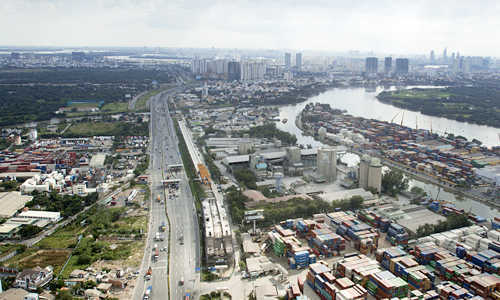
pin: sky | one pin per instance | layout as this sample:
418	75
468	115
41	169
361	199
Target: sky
382	26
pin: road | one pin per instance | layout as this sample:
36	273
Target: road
184	258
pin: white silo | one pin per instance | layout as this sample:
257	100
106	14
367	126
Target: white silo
327	163
293	155
364	165
375	174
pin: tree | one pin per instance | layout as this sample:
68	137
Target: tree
29	230
246	177
393	182
356	202
83	259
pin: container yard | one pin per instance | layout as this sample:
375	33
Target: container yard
451	162
338	256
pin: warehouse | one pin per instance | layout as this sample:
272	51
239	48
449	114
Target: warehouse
11	202
43	215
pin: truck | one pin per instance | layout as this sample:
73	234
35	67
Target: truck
148	274
156	254
147	293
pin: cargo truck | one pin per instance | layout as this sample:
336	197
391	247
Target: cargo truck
147	293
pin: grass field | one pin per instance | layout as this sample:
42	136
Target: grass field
115	107
421	94
91	128
141	103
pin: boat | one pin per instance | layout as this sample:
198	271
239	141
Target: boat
284	121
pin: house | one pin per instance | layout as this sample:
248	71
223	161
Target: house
79	274
93	294
104	287
31	279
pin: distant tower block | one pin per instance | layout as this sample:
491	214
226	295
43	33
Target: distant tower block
375	174
293	155
327	164
322	133
364	165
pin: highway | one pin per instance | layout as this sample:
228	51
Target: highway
184	255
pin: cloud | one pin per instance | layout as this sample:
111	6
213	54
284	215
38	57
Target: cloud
383	26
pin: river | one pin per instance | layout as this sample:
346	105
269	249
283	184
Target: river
363	103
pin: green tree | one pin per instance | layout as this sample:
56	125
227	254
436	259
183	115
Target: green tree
29	230
246	177
356	202
393	182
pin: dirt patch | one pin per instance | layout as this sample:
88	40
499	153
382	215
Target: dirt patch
43	258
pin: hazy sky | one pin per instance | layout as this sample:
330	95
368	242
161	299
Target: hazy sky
396	26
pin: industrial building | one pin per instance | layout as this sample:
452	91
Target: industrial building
11	202
370	173
327	164
52	216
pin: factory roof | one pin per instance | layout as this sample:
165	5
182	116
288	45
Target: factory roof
309	151
40	214
340	195
8	227
236	159
11	202
273	155
97	160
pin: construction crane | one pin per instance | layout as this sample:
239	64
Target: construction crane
392	120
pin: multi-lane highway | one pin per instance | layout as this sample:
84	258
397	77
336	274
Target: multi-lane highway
172	277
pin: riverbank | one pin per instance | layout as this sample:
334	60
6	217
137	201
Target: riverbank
411	172
464	104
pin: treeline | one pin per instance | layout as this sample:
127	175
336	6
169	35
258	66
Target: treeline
270	131
452	222
477	104
295	96
20	104
291	209
84	75
68	205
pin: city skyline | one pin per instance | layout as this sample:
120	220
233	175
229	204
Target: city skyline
422	26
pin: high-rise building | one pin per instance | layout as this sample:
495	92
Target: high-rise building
371	65
252	70
433	57
445	55
298	61
327	164
288	60
402	65
387	65
233	70
199	66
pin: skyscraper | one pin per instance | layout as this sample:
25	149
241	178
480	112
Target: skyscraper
387	65
288	60
445	55
433	57
233	70
402	65
252	70
298	61
371	65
